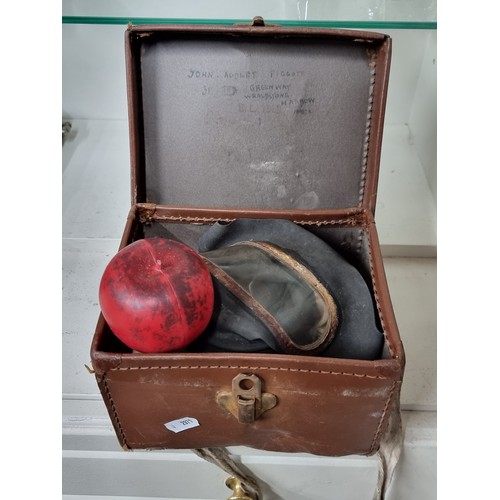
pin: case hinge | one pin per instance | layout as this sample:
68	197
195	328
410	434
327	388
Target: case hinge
146	212
246	401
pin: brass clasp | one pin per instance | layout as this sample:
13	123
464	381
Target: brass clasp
246	401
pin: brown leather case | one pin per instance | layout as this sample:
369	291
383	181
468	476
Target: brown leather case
264	122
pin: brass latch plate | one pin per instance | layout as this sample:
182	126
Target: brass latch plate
246	401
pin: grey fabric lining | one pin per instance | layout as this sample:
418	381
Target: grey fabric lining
351	243
256	124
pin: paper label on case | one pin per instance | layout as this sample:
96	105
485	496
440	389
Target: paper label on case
182	424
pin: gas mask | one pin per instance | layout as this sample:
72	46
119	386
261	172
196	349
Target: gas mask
280	288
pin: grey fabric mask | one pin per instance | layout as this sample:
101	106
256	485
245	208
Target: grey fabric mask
279	288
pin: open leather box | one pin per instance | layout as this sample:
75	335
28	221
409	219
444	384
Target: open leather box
255	122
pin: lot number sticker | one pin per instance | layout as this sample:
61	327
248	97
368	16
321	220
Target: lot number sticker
182	424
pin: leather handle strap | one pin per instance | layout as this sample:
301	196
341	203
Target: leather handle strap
222	458
389	453
281	336
260	312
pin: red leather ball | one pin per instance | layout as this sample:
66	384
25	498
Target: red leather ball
156	295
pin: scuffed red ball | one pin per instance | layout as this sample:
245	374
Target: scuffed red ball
156	295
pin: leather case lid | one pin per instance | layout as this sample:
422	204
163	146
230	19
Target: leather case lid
256	117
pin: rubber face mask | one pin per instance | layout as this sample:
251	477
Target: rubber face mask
284	296
280	288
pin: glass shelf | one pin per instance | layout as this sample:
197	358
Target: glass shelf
313	24
363	14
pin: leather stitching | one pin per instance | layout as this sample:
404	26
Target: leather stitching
350	221
366	145
115	414
252	368
373	446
